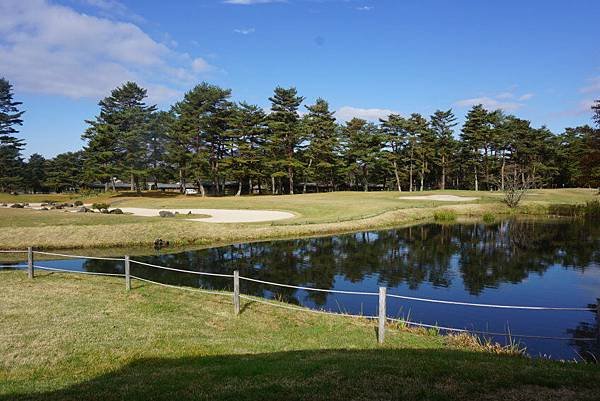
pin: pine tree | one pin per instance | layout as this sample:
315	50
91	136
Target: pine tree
395	130
201	123
286	135
596	111
323	150
246	137
64	172
474	133
363	142
10	146
35	173
117	136
442	124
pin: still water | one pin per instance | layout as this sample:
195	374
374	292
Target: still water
554	263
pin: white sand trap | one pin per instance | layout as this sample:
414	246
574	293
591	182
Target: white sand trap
217	215
443	198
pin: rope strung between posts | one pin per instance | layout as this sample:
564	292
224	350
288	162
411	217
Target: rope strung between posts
77	271
177	287
12	251
15	266
300	309
438	301
79	256
431	326
181	270
308	288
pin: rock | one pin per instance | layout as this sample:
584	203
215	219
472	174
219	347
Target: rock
17	206
84	209
44	208
78	203
116	211
105	211
3	205
166	213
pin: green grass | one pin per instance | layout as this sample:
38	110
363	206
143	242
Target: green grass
68	337
315	214
444	215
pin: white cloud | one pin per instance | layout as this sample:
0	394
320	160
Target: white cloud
526	96
489	103
246	31
347	113
364	8
53	49
593	86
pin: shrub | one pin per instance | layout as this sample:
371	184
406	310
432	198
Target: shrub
166	213
444	215
78	203
17	206
100	206
116	211
489	218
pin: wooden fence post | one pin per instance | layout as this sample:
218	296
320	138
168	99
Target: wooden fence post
236	291
382	315
30	271
127	274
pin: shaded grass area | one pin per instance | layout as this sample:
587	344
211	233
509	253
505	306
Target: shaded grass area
69	337
316	214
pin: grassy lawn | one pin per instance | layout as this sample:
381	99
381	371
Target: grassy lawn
68	337
315	214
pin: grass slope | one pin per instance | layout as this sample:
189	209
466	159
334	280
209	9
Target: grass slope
70	337
316	214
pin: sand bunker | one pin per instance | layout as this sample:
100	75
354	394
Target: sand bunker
443	198
217	215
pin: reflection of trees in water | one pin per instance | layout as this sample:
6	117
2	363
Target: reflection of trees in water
483	256
588	350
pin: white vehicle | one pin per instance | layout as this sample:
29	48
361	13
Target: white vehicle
191	191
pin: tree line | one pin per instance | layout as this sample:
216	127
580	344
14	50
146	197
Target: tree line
219	146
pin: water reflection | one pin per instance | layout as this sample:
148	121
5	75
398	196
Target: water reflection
527	262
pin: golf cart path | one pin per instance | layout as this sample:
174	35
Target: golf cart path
217	215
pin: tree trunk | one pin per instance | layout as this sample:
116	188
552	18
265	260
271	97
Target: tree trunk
502	172
112	181
366	178
250	186
273	185
132	182
308	168
397	176
201	188
476	181
239	191
443	172
291	179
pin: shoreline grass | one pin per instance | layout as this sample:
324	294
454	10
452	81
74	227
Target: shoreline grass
86	338
316	215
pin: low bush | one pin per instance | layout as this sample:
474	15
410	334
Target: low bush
100	206
489	217
166	213
444	215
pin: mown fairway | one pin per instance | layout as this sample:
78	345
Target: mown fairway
70	337
316	214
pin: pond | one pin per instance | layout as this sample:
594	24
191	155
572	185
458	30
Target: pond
553	263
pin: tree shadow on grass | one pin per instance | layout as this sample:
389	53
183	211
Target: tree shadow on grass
379	374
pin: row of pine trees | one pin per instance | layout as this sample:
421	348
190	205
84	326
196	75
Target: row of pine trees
221	146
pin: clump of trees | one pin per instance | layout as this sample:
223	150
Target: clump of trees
221	146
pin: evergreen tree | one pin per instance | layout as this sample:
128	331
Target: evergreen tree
596	111
474	133
157	165
364	142
201	122
64	172
116	138
442	124
422	145
247	136
35	173
395	131
10	146
323	150
286	136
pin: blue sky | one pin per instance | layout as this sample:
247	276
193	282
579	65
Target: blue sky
535	59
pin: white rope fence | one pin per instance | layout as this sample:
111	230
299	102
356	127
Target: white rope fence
382	294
